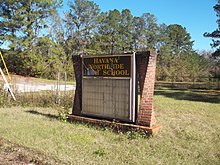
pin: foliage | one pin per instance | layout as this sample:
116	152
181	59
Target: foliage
215	35
22	23
109	30
179	40
176	57
81	21
41	43
38	99
22	20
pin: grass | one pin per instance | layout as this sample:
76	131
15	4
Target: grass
189	85
190	133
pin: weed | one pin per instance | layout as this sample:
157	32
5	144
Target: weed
134	135
63	114
100	152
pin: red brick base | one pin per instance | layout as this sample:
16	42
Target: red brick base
119	127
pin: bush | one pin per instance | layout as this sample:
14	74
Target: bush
37	99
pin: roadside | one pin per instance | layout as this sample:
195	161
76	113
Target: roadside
30	84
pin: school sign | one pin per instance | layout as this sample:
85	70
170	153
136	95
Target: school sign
108	88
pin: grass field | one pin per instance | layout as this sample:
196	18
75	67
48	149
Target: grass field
190	134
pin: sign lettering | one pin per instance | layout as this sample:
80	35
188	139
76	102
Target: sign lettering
116	66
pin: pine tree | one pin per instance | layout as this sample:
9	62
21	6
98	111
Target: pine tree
215	35
81	22
22	20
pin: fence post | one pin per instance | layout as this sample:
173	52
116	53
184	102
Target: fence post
218	82
209	82
193	81
172	82
58	89
65	80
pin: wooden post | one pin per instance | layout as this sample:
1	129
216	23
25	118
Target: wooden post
5	66
6	82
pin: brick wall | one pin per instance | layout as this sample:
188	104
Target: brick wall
146	66
77	65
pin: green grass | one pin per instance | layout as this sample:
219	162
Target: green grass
190	133
189	85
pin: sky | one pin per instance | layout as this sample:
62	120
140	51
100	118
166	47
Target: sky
197	16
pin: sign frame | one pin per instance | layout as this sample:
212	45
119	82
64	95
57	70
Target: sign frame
131	77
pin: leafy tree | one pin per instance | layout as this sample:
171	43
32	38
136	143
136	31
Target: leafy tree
125	41
197	65
21	21
146	32
179	39
212	62
215	35
81	22
138	30
151	34
175	47
10	20
115	31
109	30
21	24
62	51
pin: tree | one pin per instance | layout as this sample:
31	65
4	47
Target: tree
21	24
60	49
109	30
145	33
81	22
215	35
10	21
21	21
35	15
179	39
125	31
151	34
138	30
175	48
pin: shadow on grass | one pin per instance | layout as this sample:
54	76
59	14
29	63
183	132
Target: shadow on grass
191	95
43	114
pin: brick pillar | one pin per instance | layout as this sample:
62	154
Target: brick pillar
77	65
146	66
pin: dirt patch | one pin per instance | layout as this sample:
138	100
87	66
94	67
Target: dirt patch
14	154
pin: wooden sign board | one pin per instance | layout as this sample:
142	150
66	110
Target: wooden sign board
115	66
108	86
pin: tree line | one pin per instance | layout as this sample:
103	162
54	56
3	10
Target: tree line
41	43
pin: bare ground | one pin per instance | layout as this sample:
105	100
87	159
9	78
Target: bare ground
12	154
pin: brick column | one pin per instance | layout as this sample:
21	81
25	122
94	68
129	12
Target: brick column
77	65
146	66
